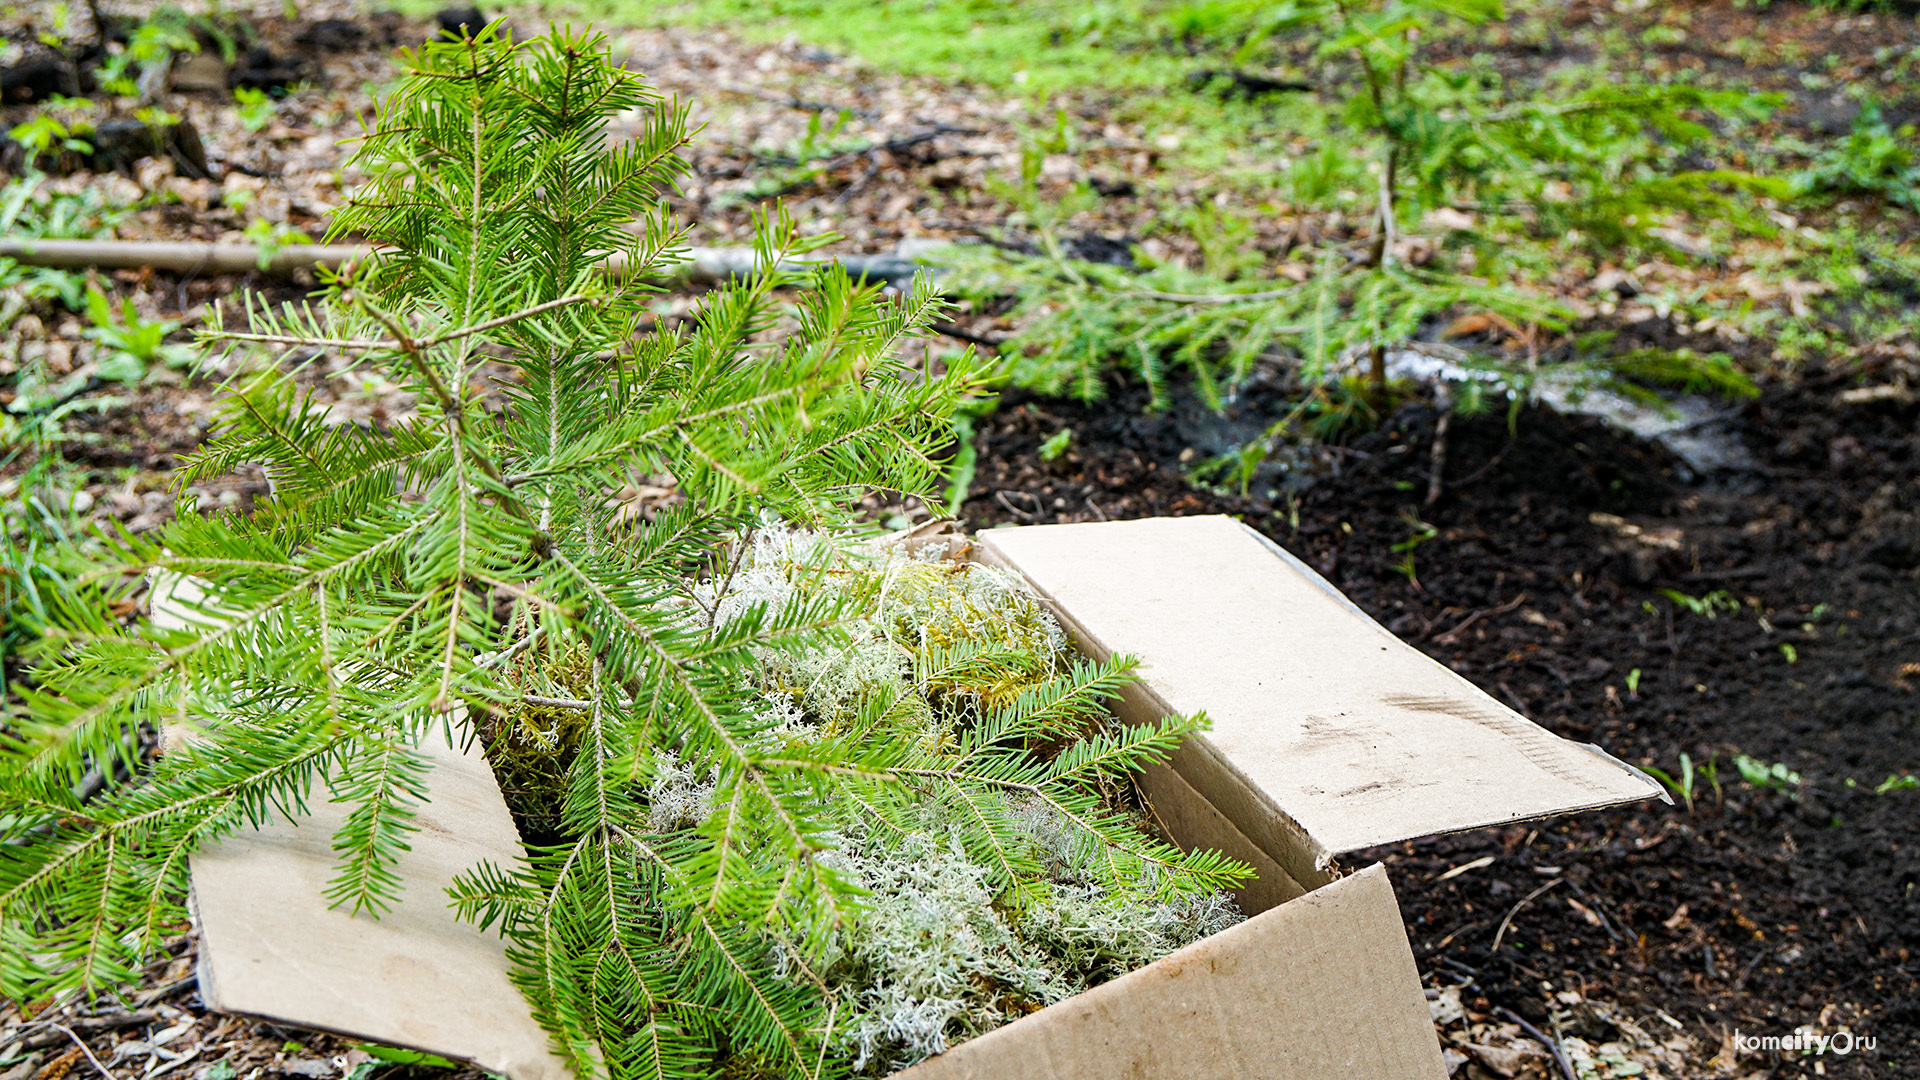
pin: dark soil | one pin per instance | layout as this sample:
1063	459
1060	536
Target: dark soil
1757	910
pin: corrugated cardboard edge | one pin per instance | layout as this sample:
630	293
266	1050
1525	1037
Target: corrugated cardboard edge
1321	988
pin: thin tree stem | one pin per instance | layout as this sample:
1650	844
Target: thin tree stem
494	324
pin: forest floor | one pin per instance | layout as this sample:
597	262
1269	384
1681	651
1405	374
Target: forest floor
1764	608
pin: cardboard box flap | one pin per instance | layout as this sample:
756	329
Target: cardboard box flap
1320	988
416	977
1352	735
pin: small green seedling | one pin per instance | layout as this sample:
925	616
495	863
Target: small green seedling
1684	786
1420	532
1792	654
269	237
1056	445
1876	159
153	42
394	1055
1710	605
42	133
1896	782
254	106
132	343
1633	684
1774	777
1711	770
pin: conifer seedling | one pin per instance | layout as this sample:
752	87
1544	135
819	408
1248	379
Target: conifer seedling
732	757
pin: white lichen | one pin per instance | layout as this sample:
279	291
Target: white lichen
677	796
940	948
928	940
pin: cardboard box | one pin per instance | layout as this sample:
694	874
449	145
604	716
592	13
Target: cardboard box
1329	735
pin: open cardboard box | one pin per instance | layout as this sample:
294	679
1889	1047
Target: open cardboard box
1329	736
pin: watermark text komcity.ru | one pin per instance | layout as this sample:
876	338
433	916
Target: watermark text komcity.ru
1806	1042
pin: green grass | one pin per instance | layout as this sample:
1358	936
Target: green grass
1042	47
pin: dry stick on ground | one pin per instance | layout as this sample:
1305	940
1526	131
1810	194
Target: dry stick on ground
1524	901
1483	470
1436	481
79	1043
109	1022
961	334
1606	923
1445	638
1552	1045
892	146
703	266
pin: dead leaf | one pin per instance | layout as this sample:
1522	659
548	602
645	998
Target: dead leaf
1696	246
1502	1061
1678	919
1587	913
1617	281
1447	219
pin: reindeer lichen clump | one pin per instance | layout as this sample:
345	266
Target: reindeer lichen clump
953	938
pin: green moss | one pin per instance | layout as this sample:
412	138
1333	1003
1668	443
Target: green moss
531	746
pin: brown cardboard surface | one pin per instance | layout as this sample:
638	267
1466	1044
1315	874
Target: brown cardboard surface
415	977
1194	824
1349	736
1320	988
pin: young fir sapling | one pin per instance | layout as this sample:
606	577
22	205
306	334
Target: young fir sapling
717	801
1587	172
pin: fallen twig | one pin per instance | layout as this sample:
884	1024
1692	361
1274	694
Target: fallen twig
1552	1045
182	257
1447	637
108	1022
162	993
702	266
958	333
63	1029
1606	923
1484	469
1024	515
893	146
1436	480
1501	934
